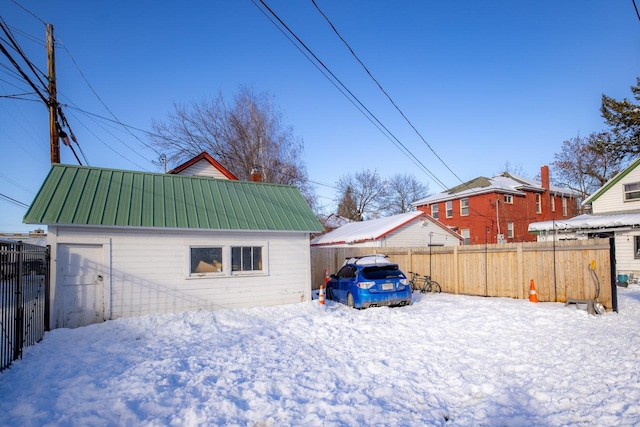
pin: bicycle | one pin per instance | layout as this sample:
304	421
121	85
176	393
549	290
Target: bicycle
424	284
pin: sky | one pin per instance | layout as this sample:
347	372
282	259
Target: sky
445	360
482	85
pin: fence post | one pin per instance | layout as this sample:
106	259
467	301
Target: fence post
19	319
47	289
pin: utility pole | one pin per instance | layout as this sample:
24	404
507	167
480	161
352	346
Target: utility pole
53	103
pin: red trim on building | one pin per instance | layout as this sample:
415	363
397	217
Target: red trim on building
204	156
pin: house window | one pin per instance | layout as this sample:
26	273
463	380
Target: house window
636	247
632	192
553	203
467	236
464	207
510	230
508	198
538	204
564	206
206	260
246	258
449	209
434	211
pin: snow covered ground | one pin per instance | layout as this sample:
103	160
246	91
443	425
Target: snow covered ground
444	361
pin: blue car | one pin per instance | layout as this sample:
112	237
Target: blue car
369	281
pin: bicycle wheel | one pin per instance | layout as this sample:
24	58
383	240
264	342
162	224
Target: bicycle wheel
434	287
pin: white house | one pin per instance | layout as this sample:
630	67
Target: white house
128	243
411	229
615	213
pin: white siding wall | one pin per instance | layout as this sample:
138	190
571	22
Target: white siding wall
203	168
613	199
625	257
416	234
413	234
149	270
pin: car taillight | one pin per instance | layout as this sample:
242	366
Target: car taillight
366	285
404	282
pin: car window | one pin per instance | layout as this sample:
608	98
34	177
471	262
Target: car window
381	272
346	272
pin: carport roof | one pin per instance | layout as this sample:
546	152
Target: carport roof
79	195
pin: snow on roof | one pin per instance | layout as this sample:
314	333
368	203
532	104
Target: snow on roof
366	230
503	183
588	221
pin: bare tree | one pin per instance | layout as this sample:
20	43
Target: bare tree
366	189
244	134
402	190
585	164
512	169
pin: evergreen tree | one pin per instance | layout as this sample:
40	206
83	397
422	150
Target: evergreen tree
347	207
624	119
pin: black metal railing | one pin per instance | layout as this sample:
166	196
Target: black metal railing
24	297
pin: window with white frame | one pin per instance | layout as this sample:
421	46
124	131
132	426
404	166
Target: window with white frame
246	258
449	209
434	211
636	247
632	192
553	203
564	206
464	207
508	198
510	230
467	236
227	260
538	203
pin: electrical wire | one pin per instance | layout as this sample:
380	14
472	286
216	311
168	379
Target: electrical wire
372	116
366	69
13	201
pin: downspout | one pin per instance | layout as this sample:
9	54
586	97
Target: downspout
497	220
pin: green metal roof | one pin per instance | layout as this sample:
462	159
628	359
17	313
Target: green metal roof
95	196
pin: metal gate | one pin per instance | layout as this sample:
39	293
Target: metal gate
24	297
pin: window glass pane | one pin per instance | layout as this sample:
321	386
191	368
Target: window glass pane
257	258
637	246
464	206
380	272
246	258
206	260
236	259
434	211
632	191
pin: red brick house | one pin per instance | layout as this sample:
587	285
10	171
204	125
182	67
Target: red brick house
500	209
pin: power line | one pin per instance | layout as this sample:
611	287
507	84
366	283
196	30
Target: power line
13	201
335	30
117	120
371	116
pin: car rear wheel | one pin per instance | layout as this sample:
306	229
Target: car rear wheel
350	300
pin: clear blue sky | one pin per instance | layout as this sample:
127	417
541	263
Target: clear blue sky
485	83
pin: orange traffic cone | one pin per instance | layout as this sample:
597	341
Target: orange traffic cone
326	282
533	295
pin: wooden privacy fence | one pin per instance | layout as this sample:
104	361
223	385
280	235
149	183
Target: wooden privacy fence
559	270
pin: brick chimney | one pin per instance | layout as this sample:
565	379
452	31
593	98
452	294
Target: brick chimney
256	176
545	198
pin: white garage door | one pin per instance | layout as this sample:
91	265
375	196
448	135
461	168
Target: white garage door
81	276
